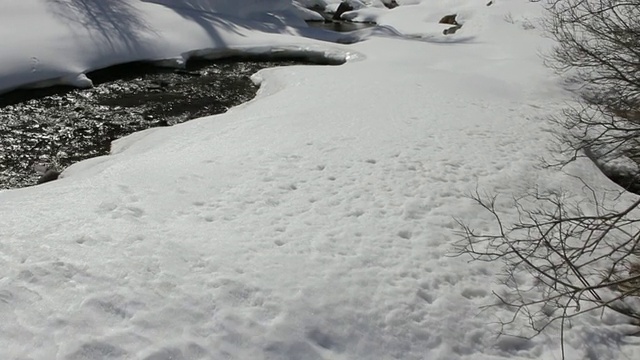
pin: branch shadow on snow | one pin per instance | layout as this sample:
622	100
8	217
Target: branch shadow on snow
212	19
205	15
116	21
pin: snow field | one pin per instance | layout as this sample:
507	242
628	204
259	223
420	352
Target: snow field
295	235
314	222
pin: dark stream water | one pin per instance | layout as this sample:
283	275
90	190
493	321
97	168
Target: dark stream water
340	26
61	126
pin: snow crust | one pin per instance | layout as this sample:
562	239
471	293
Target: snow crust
315	221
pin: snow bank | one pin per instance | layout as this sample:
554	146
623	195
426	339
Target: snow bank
85	35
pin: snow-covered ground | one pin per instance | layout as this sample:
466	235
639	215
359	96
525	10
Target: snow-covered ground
313	222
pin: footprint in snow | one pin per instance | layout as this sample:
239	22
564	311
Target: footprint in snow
97	350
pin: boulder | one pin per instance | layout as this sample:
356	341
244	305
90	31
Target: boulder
449	19
451	30
390	4
342	8
49	175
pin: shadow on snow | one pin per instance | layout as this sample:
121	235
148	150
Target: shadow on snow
116	22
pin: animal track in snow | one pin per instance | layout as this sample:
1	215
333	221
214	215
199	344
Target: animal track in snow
97	350
471	293
326	340
425	296
295	350
6	296
112	307
120	211
356	213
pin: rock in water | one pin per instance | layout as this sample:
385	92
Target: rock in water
49	175
342	8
